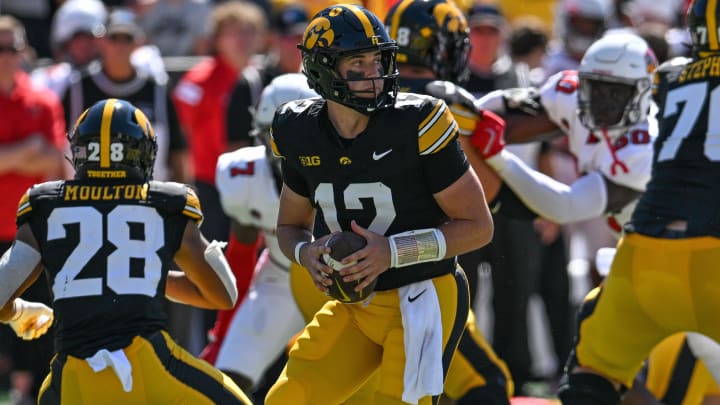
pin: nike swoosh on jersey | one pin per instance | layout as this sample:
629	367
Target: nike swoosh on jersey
378	156
411	299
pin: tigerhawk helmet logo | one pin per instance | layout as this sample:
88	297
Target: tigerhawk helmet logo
450	17
319	33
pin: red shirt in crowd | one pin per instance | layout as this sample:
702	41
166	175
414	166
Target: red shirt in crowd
28	110
201	99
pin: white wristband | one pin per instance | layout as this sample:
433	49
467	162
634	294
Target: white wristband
418	246
297	250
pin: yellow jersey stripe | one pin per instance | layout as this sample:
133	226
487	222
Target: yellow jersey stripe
24	207
466	120
364	20
273	146
442	141
105	132
430	116
192	212
395	23
25	210
711	23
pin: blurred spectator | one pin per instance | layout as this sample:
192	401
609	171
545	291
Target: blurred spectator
238	30
35	16
578	23
176	27
115	76
72	37
517	9
490	66
638	12
528	42
201	97
287	25
32	137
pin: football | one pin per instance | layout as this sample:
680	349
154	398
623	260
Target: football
342	245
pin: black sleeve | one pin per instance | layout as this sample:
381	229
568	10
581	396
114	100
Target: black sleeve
177	137
445	166
238	118
507	204
293	179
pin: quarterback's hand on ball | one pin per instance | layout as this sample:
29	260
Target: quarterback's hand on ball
371	261
31	320
487	138
310	256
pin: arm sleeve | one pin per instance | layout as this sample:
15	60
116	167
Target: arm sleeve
444	167
294	180
586	198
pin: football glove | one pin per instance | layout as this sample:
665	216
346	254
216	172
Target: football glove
31	320
460	102
487	137
523	100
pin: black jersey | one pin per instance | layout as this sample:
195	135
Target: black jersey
147	92
106	249
685	182
384	179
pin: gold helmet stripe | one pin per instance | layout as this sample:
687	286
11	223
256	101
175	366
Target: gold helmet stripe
364	20
105	132
711	23
395	23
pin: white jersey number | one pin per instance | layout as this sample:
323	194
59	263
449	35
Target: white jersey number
91	232
693	97
380	194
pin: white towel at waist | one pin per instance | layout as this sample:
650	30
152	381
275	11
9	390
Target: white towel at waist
422	324
119	362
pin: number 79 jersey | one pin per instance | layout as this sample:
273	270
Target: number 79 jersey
685	181
106	249
384	179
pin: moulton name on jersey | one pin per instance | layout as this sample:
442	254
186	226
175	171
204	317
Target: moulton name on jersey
106	193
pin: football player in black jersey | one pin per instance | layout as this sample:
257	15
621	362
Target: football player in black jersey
387	166
663	279
433	43
107	241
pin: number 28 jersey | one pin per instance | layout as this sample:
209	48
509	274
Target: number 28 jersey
685	181
106	249
384	179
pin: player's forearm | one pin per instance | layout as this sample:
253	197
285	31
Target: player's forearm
549	198
180	289
289	236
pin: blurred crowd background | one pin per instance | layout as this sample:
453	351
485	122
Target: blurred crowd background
196	68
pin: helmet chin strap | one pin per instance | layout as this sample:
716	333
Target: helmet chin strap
616	162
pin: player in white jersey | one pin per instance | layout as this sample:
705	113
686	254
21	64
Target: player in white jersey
614	157
249	182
